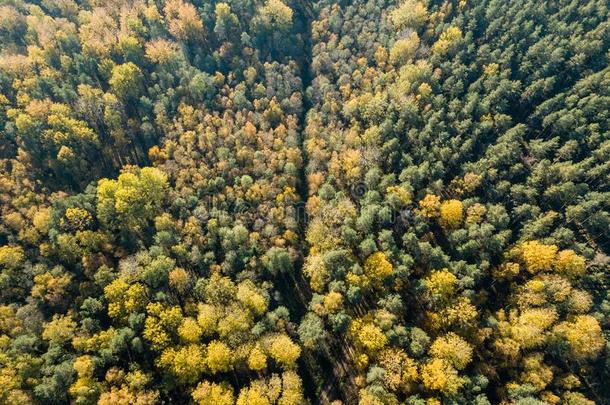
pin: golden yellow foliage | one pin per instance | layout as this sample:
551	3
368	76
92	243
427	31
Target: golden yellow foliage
569	264
190	331
317	272
124	299
530	328
179	279
537	256
333	302
403	194
404	49
84	389
249	296
439	375
159	322
377	268
369	336
11	256
186	363
451	214
161	50
441	283
252	396
183	20
77	219
207	318
365	397
430	206
208	393
453	349
475	213
124	395
507	270
51	289
60	329
219	357
257	359
292	389
234	320
284	350
576	398
536	372
401	370
461	312
277	14
447	40
584	336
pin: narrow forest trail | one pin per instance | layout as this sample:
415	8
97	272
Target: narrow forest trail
324	371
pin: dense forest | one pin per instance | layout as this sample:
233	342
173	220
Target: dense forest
289	202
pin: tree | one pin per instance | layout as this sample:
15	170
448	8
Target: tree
125	299
84	390
257	359
451	214
429	206
218	358
377	269
569	264
404	49
183	20
251	298
208	393
127	81
252	396
538	256
453	349
284	350
275	15
400	369
133	199
439	375
190	331
369	336
11	256
186	363
409	14
60	330
441	284
447	40
311	331
583	335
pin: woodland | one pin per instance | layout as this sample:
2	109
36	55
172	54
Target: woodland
290	202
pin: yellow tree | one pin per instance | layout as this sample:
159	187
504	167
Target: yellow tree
185	363
208	393
401	370
451	214
537	256
453	349
284	350
430	206
409	14
377	268
440	375
569	264
583	335
219	357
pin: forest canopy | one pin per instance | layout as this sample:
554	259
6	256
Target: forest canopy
258	202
